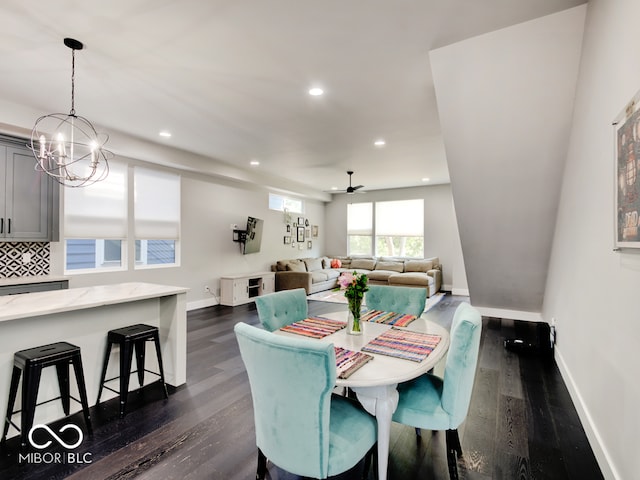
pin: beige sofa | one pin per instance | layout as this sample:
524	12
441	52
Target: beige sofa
316	274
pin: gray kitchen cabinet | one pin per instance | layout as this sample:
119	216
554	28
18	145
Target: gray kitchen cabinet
29	200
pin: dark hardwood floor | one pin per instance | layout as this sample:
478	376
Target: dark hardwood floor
521	425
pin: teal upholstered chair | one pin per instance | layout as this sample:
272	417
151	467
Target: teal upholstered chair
408	300
278	309
438	403
300	426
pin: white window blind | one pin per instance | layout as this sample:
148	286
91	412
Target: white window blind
359	219
98	210
156	204
402	218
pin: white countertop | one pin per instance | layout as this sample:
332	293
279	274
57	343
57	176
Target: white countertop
13	307
7	282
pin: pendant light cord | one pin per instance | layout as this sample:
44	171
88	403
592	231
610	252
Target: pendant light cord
73	83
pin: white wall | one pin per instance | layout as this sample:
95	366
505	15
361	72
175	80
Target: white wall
592	291
209	206
441	238
505	100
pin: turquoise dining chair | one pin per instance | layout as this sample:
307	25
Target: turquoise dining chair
438	403
300	426
408	300
278	309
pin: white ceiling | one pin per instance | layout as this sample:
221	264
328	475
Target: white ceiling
229	78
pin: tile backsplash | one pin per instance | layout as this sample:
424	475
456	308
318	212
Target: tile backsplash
24	259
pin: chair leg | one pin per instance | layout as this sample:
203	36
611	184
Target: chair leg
156	340
13	391
140	348
126	356
82	390
30	383
453	441
62	370
454	450
261	472
107	353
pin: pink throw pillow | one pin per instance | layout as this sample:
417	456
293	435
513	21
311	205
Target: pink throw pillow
336	263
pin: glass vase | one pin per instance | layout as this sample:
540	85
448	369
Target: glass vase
353	319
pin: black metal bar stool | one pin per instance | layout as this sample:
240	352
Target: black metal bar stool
31	362
129	339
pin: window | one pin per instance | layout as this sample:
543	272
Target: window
155	252
89	253
399	228
95	222
360	228
282	203
156	217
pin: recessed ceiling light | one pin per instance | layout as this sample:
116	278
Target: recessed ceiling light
380	143
165	134
255	163
425	179
315	91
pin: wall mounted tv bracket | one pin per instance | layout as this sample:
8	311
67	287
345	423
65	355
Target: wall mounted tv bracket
239	236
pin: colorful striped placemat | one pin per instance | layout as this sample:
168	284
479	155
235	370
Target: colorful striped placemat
414	346
388	318
315	327
348	361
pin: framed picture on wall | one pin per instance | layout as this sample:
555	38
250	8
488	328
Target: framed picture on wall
300	234
314	231
309	245
300	221
287	239
627	176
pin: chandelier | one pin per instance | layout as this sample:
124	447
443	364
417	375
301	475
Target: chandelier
67	147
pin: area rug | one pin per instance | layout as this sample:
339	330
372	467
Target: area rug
332	296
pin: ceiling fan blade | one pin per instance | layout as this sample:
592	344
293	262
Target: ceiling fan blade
350	189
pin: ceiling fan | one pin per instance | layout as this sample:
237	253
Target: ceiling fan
350	190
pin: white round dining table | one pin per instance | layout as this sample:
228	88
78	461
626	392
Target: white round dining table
375	383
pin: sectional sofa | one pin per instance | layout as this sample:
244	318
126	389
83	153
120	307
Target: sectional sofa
317	274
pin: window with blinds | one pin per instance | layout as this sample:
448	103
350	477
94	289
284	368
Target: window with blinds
396	226
97	227
156	217
95	223
360	228
399	228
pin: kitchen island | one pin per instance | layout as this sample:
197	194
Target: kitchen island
83	316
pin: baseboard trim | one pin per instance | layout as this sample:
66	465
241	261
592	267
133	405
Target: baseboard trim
206	302
510	314
601	453
460	291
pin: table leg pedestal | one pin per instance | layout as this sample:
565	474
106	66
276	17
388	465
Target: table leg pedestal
381	402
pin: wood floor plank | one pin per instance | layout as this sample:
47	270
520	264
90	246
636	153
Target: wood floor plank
521	423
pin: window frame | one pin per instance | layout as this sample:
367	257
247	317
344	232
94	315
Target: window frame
374	236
